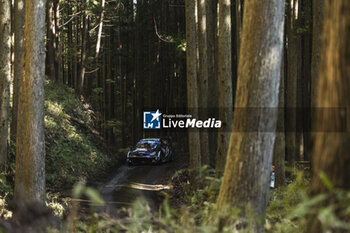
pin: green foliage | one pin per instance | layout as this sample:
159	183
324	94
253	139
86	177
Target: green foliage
290	207
5	187
288	210
97	90
72	149
110	81
80	189
282	202
4	212
182	46
58	206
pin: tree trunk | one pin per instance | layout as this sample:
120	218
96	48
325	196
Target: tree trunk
225	83
248	167
18	29
317	21
100	29
5	77
317	28
192	83
294	58
76	45
239	10
51	40
30	149
279	151
306	79
331	152
70	49
59	45
98	40
84	35
203	78
212	74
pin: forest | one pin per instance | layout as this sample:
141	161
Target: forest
174	116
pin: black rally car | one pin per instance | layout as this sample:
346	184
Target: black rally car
151	150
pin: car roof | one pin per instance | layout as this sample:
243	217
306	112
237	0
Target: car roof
150	140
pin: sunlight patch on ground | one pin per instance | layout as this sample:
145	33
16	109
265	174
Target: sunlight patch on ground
140	186
90	202
54	108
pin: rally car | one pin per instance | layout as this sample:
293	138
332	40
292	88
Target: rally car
151	150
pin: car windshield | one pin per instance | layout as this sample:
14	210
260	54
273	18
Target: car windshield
150	144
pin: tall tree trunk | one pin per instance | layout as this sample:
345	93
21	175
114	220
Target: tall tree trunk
108	88
294	58
239	10
317	28
59	44
248	167
280	141
84	35
317	25
76	58
5	77
18	29
203	77
70	50
100	29
306	79
99	36
225	83
192	81
212	74
51	40
30	149
331	152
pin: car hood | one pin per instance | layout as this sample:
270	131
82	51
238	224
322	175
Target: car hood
142	151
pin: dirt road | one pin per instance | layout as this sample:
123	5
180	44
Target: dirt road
133	182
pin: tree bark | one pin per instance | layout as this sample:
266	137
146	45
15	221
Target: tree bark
248	167
18	29
30	149
100	29
59	45
51	40
76	58
317	21
5	77
279	151
225	83
239	10
306	79
293	75
192	81
98	40
203	78
317	28
70	51
84	35
331	151
212	74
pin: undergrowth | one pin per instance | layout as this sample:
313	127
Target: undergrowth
74	149
194	210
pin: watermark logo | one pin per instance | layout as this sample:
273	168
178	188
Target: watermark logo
152	120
